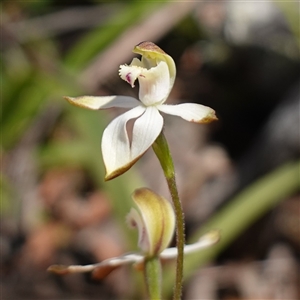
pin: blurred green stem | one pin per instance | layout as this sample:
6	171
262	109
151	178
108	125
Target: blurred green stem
163	154
153	277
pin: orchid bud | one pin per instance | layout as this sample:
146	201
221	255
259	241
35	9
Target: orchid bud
155	220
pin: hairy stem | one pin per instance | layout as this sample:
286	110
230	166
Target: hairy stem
163	154
153	277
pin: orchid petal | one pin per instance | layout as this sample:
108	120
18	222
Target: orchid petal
207	240
103	102
104	268
191	112
156	222
100	270
116	145
145	131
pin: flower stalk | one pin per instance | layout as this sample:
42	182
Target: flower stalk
161	149
153	277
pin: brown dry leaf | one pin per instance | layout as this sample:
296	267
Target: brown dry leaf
81	213
42	243
288	220
58	183
106	245
60	190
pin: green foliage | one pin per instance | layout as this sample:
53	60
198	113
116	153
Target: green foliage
95	41
29	86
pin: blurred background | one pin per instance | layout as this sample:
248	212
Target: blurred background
240	174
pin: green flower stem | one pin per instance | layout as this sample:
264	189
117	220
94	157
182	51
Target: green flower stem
153	277
163	154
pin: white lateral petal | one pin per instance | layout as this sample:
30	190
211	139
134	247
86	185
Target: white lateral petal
116	146
209	239
105	267
191	112
103	102
145	131
122	260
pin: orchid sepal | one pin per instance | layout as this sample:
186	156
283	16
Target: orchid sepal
103	102
192	112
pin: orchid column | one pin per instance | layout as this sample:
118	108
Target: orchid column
156	74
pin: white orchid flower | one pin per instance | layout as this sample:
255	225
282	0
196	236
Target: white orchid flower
156	73
155	221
